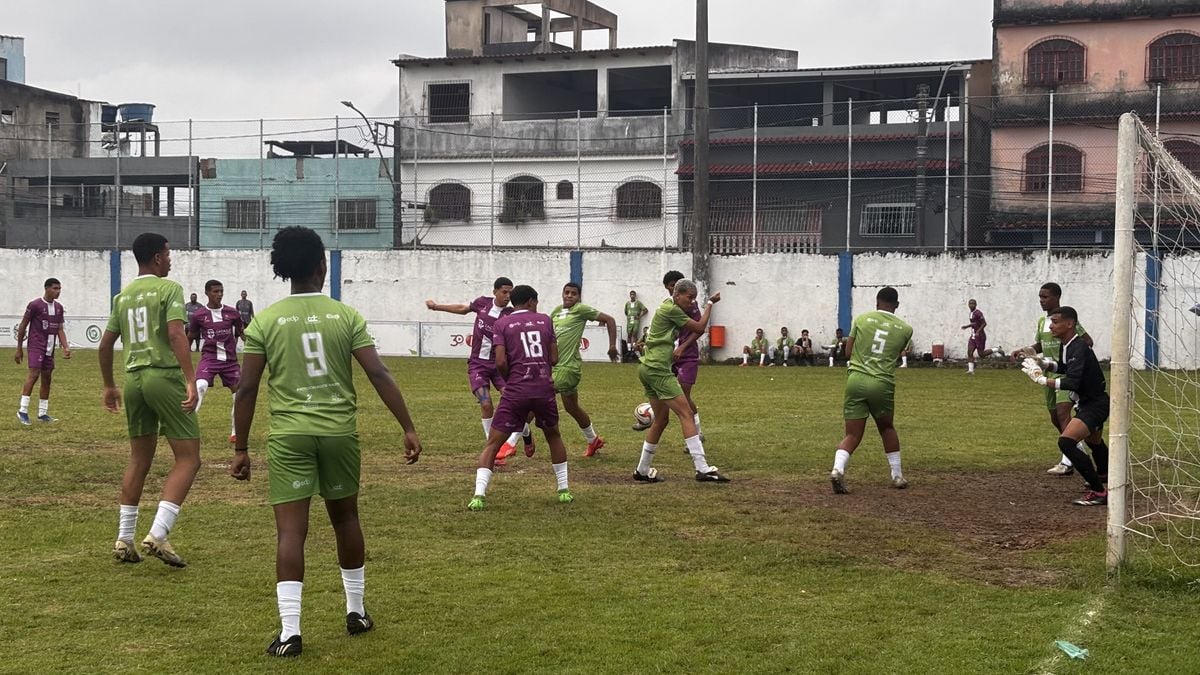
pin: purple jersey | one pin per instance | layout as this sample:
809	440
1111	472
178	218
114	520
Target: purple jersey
976	321
526	337
692	351
44	320
220	329
486	313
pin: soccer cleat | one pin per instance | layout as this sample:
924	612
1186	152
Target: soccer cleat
1061	469
564	496
24	418
162	549
711	476
507	450
499	462
47	419
288	648
124	551
999	353
899	483
476	503
593	446
640	427
1092	498
651	477
743	365
838	479
529	448
357	624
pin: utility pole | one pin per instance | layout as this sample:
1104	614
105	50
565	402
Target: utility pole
701	241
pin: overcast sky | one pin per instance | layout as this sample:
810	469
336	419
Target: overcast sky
245	59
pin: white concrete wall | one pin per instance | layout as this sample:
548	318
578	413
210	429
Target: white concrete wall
768	291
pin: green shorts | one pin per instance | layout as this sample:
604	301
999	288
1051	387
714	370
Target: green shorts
868	397
303	466
152	399
566	380
1055	397
659	384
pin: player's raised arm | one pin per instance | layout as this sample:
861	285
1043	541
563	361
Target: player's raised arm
700	326
611	324
451	309
385	385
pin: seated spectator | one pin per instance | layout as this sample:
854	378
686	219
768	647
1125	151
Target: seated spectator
837	349
784	348
803	351
758	348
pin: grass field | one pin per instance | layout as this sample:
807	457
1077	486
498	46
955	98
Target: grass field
978	567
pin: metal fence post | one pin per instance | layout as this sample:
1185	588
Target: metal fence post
1050	175
754	187
117	210
1157	120
492	187
965	119
578	179
337	180
190	193
849	164
946	189
262	206
666	180
49	182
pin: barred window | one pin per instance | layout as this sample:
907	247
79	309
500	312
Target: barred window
1067	168
639	199
1054	62
524	199
448	102
244	214
566	190
52	119
356	214
1174	57
896	219
448	201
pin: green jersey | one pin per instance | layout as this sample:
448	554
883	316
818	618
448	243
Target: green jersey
785	343
140	313
308	340
1050	345
660	341
568	329
879	339
759	345
633	312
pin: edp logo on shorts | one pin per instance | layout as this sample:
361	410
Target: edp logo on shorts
297	484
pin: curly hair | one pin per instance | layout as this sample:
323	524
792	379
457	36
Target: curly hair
296	253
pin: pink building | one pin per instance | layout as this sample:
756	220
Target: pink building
1092	61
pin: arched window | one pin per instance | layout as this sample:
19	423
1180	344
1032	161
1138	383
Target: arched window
524	199
448	201
566	190
1067	168
1054	62
639	199
1174	57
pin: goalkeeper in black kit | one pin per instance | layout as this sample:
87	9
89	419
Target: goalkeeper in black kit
1078	372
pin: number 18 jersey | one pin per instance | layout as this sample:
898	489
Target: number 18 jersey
307	340
879	338
526	337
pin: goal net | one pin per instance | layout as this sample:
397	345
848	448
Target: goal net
1154	507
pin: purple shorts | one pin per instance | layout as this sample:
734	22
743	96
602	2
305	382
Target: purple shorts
514	410
229	371
686	371
480	375
977	342
40	360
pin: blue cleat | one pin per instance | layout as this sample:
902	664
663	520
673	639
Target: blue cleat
24	418
47	419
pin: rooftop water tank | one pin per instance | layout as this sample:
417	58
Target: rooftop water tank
137	112
108	114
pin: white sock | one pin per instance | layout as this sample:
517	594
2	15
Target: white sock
487	427
482	478
164	519
24	404
745	358
696	450
560	475
287	594
232	428
970	366
589	433
127	523
831	362
514	438
353	582
696	419
1066	460
894	462
647	457
43	407
762	358
840	459
201	390
904	361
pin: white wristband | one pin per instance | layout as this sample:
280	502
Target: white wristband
709	303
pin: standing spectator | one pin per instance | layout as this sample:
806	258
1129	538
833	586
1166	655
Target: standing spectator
190	309
245	308
634	311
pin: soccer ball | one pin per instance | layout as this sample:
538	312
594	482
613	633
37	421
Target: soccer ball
643	414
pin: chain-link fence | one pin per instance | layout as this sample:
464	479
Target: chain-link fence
920	173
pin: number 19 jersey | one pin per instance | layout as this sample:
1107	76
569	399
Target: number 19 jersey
879	338
140	313
307	340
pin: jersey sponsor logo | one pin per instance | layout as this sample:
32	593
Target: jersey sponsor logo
333	317
284	320
313	319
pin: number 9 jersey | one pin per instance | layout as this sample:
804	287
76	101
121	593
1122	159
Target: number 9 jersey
140	313
308	340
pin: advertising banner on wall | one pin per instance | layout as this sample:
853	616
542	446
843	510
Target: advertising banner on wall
83	333
453	340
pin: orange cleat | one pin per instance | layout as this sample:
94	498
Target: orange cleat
594	445
507	450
